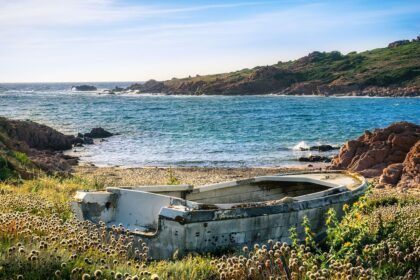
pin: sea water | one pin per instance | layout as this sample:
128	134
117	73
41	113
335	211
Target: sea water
225	131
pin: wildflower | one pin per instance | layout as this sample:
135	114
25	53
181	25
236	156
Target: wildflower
98	273
346	207
347	244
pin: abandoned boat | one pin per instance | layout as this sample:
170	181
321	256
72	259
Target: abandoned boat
183	218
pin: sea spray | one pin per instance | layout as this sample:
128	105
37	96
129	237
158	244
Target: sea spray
301	146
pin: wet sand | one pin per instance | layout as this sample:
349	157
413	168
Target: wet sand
118	176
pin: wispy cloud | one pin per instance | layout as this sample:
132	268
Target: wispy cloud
135	41
77	12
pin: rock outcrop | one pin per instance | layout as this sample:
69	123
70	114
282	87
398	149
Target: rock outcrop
398	43
42	144
84	88
391	153
36	135
151	86
391	174
98	132
411	168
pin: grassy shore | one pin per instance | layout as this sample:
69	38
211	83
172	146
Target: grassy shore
40	239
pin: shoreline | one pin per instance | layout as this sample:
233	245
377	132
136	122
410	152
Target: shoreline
345	95
153	175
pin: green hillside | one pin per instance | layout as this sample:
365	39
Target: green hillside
316	73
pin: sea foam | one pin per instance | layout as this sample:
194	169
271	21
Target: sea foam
300	146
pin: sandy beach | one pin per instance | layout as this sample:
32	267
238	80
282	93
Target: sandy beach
119	176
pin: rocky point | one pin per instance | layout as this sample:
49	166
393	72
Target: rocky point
392	154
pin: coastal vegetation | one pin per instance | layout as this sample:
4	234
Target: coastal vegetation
378	238
40	238
390	71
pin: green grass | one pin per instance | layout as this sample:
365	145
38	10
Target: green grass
380	67
14	165
7	171
172	179
22	157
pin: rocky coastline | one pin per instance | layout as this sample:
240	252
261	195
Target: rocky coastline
155	87
391	154
28	147
384	72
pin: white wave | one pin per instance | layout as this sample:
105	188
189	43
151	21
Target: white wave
300	146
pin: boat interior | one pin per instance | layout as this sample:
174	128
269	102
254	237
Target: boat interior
140	206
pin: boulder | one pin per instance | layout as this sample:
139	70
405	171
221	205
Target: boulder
98	132
314	158
410	177
88	140
391	153
321	148
398	43
78	140
391	174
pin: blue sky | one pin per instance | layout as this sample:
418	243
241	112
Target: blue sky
110	40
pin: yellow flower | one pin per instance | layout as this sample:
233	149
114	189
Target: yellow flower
347	244
345	207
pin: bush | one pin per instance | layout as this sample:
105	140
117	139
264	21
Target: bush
22	157
7	171
378	238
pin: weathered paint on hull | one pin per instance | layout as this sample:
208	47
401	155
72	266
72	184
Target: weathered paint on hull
181	229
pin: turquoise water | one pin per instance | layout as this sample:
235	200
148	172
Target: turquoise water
204	130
